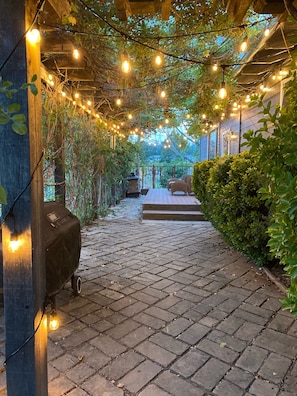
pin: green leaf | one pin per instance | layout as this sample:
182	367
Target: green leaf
19	118
13	108
3	198
34	78
4	119
19	128
33	89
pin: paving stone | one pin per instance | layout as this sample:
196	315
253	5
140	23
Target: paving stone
194	333
278	342
134	309
248	331
239	377
107	345
177	326
80	372
77	392
168	302
144	297
123	329
250	317
160	314
91	355
263	388
225	339
156	353
252	359
65	362
275	368
220	351
189	363
92	385
169	343
211	373
60	386
140	376
226	388
177	386
153	390
181	307
137	336
121	365
149	320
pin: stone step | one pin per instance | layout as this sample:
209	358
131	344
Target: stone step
172	215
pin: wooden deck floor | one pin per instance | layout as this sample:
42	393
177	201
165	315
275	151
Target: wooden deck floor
160	204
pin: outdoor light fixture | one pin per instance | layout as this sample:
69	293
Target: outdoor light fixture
215	67
222	90
163	94
118	101
125	63
54	322
33	36
14	242
243	45
159	59
75	53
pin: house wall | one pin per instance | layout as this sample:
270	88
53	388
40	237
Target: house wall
227	139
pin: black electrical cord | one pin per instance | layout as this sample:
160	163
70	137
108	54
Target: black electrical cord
27	340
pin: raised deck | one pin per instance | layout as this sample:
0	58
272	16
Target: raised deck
160	204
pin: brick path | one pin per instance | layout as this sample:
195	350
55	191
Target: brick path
168	309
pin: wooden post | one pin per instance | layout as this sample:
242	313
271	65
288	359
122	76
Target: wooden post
21	176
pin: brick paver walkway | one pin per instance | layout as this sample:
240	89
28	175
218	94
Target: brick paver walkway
167	308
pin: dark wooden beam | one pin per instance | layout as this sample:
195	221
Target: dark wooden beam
21	176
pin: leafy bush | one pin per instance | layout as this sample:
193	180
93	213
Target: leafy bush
227	189
275	148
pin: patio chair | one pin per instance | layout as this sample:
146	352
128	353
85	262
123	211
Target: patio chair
184	184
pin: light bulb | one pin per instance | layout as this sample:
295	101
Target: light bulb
75	53
223	91
243	46
125	66
163	94
54	322
215	67
159	59
118	102
33	36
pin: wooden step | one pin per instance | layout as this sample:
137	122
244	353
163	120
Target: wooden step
171	207
172	215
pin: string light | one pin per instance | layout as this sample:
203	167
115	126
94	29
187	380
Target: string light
125	65
159	58
33	36
75	53
244	44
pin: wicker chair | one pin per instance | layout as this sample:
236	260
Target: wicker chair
182	185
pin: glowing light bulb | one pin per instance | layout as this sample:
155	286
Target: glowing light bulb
75	54
125	66
159	59
243	46
222	91
33	36
163	94
54	322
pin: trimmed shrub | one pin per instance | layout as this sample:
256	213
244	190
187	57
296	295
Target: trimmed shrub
228	191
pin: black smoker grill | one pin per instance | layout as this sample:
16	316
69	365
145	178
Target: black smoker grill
62	242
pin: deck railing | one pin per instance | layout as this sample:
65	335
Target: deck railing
156	176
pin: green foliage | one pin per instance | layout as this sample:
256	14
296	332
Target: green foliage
228	191
94	173
275	147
